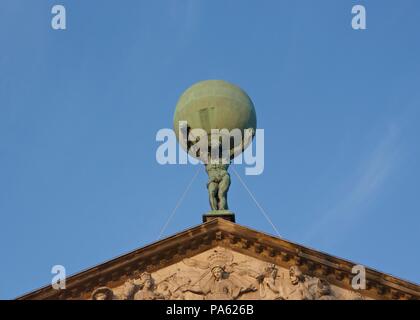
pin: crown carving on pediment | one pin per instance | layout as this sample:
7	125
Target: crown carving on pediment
220	258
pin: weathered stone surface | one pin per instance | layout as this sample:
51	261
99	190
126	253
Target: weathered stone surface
223	260
222	274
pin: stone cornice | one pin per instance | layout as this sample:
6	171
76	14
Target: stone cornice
223	233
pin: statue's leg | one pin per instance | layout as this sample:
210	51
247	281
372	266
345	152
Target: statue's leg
213	188
222	192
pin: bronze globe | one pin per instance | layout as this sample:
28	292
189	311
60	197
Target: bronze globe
215	104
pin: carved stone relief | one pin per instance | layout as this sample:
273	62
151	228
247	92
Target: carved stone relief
222	274
103	293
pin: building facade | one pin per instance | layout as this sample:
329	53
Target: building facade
221	260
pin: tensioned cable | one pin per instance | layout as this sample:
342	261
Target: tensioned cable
256	202
178	203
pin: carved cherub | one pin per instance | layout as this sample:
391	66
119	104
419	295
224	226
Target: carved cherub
143	288
323	290
296	288
270	288
169	291
164	289
103	293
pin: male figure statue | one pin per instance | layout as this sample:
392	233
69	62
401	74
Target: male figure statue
218	185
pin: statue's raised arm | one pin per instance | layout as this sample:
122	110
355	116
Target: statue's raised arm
247	139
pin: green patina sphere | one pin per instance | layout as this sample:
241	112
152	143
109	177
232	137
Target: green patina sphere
215	104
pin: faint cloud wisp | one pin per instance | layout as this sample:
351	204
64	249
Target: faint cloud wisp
365	183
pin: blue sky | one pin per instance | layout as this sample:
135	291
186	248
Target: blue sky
80	108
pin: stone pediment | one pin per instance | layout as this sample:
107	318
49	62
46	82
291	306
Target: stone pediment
223	260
